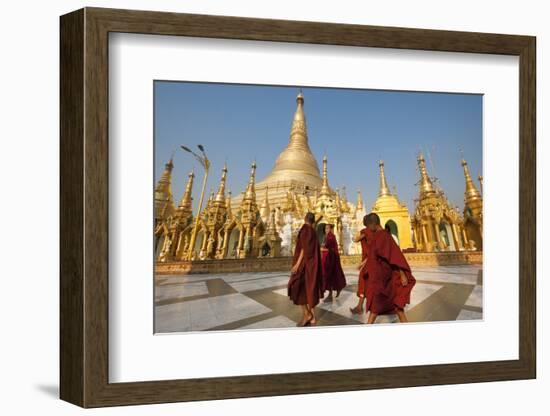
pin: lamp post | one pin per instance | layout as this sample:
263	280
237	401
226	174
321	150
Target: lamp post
205	163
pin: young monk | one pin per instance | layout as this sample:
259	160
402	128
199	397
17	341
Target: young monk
389	276
306	279
333	275
364	236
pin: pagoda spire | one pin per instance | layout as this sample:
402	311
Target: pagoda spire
264	208
296	163
164	202
298	131
220	196
359	205
426	185
250	192
187	199
164	185
384	190
344	196
325	190
471	191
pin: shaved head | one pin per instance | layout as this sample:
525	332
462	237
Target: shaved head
371	220
310	218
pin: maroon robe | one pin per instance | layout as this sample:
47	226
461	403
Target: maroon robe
333	275
384	290
305	287
366	237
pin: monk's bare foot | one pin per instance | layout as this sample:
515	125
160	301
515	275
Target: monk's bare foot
356	310
312	321
305	321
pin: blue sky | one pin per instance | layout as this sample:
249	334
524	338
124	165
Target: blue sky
355	128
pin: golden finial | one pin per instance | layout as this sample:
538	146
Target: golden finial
298	131
471	191
187	199
300	97
250	192
220	197
325	190
426	185
384	190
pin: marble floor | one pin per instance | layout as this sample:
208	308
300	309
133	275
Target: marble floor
259	301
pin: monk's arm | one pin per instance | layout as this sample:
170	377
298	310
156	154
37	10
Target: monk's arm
358	237
298	262
404	280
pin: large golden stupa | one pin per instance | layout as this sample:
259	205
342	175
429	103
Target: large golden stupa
295	169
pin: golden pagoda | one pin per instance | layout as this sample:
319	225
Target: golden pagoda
473	209
172	233
213	218
296	168
393	213
293	188
235	238
437	226
164	201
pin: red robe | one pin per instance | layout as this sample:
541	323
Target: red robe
305	287
333	275
366	237
384	290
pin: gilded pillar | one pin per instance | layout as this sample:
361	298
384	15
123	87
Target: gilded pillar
465	237
240	245
424	238
226	236
458	246
437	236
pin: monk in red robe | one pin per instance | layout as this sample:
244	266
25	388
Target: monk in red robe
305	286
389	277
333	275
364	237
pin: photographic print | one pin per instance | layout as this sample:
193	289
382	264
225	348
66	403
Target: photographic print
294	206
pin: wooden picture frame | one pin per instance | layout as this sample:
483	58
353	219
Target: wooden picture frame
84	207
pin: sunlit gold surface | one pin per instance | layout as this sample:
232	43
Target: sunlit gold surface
392	211
242	227
473	208
437	225
164	202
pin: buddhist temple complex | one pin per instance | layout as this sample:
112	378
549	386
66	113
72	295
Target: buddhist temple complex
263	220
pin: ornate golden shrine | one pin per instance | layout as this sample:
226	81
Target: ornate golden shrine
473	209
241	227
437	225
393	213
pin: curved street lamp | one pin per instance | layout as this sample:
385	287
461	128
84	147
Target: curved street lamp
205	163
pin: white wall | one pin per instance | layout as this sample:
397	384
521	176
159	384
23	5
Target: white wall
29	173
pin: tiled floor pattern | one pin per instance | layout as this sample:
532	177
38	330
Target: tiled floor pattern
259	300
